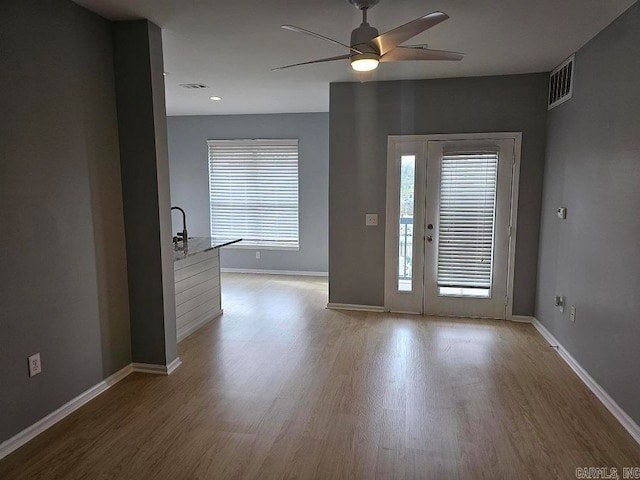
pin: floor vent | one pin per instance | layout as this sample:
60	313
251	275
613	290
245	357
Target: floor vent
194	86
561	83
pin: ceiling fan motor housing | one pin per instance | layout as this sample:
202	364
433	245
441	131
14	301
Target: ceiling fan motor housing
360	4
361	40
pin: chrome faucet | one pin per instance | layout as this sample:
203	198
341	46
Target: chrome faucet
181	236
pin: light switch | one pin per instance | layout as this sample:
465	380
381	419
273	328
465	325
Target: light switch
371	220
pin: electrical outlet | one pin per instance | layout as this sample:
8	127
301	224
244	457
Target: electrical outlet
35	367
371	219
257	255
573	314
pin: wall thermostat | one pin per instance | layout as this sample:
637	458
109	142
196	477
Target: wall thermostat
562	212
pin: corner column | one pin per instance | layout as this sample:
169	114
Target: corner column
144	163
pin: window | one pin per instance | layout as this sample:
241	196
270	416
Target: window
253	191
407	207
467	223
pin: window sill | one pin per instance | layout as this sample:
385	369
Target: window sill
261	247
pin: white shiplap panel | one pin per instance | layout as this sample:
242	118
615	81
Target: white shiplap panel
197	313
197	290
186	329
205	297
182	273
197	287
191	281
200	257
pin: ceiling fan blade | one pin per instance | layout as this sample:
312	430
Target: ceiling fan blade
403	54
391	39
293	28
330	59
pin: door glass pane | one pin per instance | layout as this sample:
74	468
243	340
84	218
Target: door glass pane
466	223
405	237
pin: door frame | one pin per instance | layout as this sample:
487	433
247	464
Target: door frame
394	143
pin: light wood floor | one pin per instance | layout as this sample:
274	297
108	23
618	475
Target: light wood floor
279	387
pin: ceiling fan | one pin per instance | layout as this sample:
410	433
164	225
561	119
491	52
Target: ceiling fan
368	48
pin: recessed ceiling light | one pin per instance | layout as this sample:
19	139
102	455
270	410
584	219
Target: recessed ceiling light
215	98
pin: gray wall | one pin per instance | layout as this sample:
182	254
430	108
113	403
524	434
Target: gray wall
145	186
63	266
593	257
190	188
362	115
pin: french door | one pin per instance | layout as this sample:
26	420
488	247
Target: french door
450	231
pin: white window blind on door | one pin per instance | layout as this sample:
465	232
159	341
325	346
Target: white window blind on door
253	191
467	212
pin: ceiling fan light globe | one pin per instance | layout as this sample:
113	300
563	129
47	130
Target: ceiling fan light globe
364	64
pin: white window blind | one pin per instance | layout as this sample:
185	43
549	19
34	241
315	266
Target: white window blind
466	229
253	191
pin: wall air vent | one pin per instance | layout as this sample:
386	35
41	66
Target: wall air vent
561	83
194	86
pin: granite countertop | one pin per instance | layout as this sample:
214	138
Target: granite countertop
197	245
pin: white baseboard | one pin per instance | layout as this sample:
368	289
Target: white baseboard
627	422
192	327
68	408
359	308
521	319
275	272
173	365
29	433
156	369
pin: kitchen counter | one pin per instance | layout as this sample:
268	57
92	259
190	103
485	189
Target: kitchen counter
201	244
196	272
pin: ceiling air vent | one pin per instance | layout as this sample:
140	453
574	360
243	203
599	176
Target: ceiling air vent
194	86
561	83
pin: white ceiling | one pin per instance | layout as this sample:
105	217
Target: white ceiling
232	45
